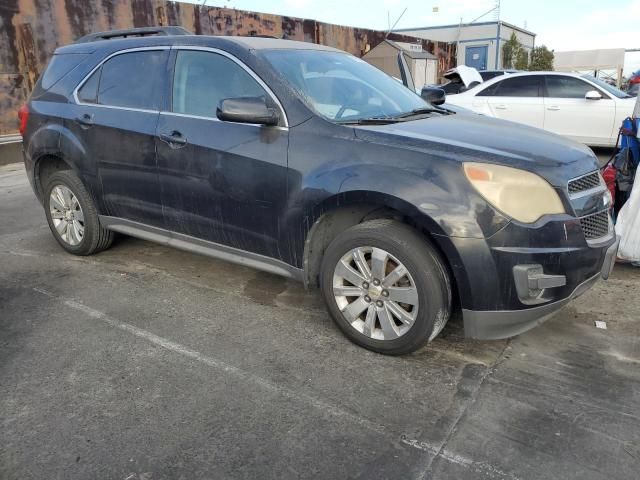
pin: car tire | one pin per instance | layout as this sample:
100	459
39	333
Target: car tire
72	215
381	326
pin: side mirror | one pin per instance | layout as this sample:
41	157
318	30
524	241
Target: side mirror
433	95
593	95
247	110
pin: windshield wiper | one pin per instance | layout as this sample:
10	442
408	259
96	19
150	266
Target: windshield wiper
370	121
421	111
401	117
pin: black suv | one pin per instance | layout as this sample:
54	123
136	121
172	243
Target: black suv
307	162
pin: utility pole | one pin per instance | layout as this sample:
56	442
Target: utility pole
496	9
496	12
394	25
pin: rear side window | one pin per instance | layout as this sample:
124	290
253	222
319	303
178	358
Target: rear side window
59	66
131	80
567	87
526	86
203	79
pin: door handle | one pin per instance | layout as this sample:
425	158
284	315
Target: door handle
174	139
501	107
553	107
85	120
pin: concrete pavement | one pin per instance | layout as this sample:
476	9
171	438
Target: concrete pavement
145	362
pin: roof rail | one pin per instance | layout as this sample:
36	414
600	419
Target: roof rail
255	35
133	32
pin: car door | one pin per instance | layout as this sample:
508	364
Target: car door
515	98
568	112
220	181
116	115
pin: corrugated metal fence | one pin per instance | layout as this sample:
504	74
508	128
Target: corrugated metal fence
30	30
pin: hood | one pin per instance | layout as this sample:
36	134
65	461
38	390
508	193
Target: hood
466	137
468	75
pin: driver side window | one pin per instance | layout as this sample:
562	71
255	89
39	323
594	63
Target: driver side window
567	87
202	79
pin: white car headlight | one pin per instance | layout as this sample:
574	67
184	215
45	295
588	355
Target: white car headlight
521	195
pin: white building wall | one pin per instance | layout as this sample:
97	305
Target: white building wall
527	41
477	35
450	34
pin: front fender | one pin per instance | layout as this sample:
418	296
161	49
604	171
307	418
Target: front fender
330	167
439	198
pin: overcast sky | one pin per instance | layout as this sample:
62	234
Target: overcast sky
559	24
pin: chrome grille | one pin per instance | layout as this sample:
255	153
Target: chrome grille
586	182
595	225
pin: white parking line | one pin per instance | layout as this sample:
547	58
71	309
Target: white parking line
215	363
318	404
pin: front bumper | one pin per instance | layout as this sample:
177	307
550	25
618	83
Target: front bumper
497	324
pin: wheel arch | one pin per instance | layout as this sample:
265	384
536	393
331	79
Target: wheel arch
54	147
44	166
347	209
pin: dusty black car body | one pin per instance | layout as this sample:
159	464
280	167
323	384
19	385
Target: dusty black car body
273	196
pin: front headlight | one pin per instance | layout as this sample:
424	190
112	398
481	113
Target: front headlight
521	195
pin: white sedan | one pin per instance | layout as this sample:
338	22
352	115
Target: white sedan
580	107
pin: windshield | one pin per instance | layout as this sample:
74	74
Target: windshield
605	86
341	87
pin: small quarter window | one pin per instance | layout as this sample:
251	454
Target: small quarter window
88	93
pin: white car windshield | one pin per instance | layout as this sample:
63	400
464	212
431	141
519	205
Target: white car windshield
605	86
341	87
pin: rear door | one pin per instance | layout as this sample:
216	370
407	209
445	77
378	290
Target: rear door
221	181
118	106
569	113
518	99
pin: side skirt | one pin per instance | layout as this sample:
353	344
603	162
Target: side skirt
202	247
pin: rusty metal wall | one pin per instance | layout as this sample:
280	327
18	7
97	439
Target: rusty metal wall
30	30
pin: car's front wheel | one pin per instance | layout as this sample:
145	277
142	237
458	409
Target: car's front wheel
386	287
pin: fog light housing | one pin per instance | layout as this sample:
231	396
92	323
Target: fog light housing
532	283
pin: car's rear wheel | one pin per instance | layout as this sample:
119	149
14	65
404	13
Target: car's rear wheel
72	215
386	287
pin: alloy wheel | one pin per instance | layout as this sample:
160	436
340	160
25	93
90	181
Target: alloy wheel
66	215
375	293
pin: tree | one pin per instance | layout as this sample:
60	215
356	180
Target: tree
522	60
510	51
541	59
